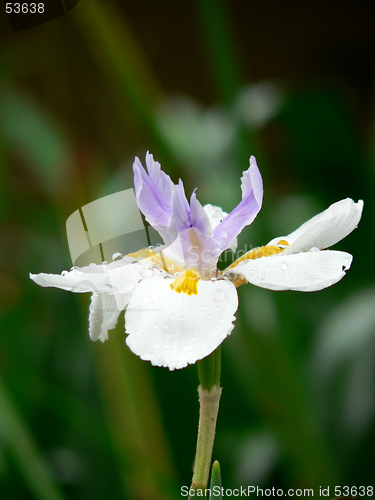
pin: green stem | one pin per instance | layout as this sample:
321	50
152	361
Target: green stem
209	397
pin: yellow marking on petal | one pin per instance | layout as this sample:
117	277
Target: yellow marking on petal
195	242
187	282
158	258
255	253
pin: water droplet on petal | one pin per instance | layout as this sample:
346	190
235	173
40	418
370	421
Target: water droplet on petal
284	265
186	348
200	308
117	256
314	249
73	268
64	273
222	321
217	249
219	295
167	347
169	336
146	273
104	262
224	234
127	287
194	339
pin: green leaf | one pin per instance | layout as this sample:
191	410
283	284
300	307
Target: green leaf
216	479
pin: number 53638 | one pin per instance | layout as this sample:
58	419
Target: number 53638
24	8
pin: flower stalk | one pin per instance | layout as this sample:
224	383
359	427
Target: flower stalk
209	391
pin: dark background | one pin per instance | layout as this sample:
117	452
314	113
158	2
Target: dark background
201	85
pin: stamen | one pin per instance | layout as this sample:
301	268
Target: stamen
187	282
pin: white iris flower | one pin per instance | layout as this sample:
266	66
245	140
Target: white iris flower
179	307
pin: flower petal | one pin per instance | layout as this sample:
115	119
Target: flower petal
117	277
326	228
246	210
180	211
153	192
104	314
199	218
304	272
216	215
175	329
76	280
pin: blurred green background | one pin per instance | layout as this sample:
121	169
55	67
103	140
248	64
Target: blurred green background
202	85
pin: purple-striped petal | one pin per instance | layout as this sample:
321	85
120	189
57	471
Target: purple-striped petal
246	210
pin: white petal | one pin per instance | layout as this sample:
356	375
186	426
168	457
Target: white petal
111	278
174	329
104	314
326	228
304	272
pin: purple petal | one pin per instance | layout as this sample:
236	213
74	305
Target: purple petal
153	192
180	211
246	210
161	180
199	218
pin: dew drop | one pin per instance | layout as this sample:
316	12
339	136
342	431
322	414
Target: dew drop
209	316
217	310
284	266
219	295
224	234
186	348
137	332
200	308
128	287
168	336
104	262
155	346
167	347
217	249
73	268
314	249
222	321
64	273
117	256
146	273
166	327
